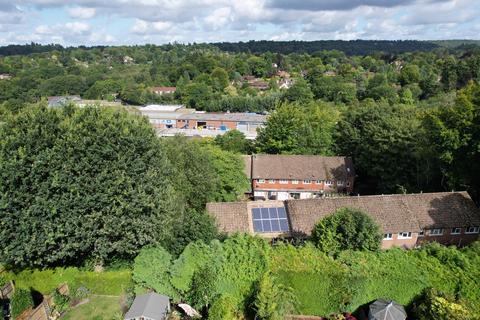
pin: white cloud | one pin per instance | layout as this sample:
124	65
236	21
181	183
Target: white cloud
77	27
145	27
219	18
140	21
82	13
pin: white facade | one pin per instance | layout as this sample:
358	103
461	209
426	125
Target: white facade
285	195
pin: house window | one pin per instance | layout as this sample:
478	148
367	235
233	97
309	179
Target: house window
472	230
329	182
271	181
307	182
294	181
340	182
404	235
456	231
436	232
318	181
261	180
421	233
387	236
283	181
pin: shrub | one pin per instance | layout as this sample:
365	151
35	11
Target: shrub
346	229
223	308
273	301
60	302
152	271
433	304
20	301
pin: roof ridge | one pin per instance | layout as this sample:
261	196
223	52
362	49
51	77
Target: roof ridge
392	195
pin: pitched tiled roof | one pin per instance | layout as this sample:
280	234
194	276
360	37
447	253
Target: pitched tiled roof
230	216
445	210
301	167
393	213
247	169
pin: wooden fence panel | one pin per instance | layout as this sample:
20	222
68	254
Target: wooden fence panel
42	312
7	291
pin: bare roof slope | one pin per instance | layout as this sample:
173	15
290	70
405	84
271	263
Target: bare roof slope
231	217
301	167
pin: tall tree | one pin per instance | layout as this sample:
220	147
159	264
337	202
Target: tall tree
81	183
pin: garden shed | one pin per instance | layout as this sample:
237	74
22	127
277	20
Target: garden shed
150	306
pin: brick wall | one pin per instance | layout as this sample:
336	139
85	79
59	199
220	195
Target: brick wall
396	242
447	238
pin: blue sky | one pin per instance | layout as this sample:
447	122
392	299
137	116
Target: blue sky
93	22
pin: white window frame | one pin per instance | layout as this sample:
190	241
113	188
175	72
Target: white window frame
475	230
329	182
271	181
318	181
307	181
340	182
294	181
261	180
456	230
421	233
405	235
436	232
388	236
283	181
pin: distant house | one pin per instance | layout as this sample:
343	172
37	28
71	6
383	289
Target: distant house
127	60
60	101
282	177
256	83
164	90
5	76
150	306
406	220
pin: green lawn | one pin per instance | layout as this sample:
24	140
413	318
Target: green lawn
45	281
99	308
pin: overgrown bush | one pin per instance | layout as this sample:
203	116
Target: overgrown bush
152	271
273	301
60	301
433	304
224	308
20	301
346	229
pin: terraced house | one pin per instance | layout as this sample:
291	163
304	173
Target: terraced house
406	220
282	177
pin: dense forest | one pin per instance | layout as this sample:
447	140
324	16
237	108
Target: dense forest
350	48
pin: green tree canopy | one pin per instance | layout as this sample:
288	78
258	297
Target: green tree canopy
81	183
233	141
346	229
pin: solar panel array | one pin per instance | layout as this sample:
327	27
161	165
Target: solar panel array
269	220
